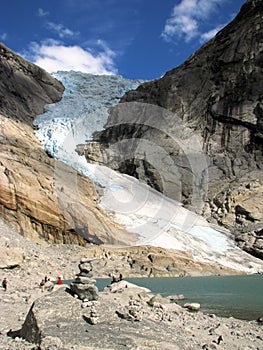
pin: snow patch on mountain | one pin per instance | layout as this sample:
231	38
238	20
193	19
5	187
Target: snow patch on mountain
156	219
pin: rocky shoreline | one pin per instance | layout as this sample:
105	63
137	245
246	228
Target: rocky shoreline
129	317
125	317
121	317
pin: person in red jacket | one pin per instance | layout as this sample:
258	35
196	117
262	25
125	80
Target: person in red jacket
59	281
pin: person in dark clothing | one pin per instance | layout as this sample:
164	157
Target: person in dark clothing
113	279
42	285
4	284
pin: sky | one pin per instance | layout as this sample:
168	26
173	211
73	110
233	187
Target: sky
138	39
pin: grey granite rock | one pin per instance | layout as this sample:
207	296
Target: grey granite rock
84	291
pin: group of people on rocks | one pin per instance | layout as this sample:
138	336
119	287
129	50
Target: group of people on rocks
47	284
114	279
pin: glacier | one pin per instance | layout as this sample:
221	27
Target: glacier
82	111
154	218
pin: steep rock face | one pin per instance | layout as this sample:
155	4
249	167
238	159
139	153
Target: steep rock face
24	87
40	197
213	99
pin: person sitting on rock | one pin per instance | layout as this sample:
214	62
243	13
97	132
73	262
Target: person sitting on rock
59	281
4	284
49	285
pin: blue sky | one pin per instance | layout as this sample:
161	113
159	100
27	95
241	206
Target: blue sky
138	39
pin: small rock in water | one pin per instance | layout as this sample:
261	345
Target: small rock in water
192	306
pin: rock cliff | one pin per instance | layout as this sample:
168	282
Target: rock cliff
40	197
24	87
196	133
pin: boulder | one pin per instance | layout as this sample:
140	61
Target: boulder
123	285
84	291
11	257
85	266
47	315
156	300
192	306
173	308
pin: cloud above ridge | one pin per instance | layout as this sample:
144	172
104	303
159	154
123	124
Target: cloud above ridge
54	56
60	30
186	20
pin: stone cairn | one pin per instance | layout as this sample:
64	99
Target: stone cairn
83	285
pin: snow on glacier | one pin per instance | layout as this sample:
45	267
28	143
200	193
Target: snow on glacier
156	219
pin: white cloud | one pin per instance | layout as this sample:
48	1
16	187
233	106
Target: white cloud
42	13
186	18
210	34
3	36
61	30
53	56
182	26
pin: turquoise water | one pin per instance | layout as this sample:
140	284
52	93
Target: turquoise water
237	296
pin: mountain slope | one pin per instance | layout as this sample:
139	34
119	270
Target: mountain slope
24	88
215	99
155	219
33	186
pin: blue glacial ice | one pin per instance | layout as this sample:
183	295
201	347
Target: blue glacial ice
82	110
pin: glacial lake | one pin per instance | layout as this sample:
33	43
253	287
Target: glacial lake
237	296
